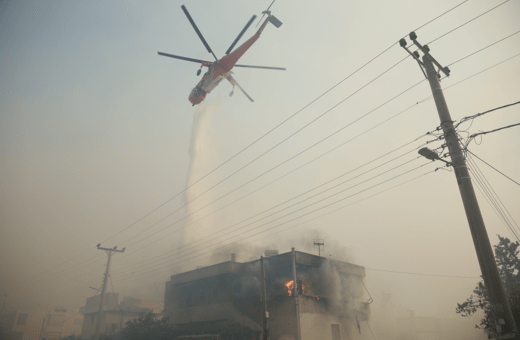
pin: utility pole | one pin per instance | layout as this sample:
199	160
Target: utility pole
295	294
109	251
264	298
41	330
498	301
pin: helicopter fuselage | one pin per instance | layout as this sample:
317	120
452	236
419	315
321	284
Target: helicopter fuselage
219	70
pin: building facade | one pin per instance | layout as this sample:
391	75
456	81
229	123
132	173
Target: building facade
115	313
226	299
22	325
61	324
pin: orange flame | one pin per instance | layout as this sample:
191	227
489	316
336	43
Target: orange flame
290	287
306	286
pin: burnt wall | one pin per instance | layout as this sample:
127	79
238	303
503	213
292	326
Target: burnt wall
282	317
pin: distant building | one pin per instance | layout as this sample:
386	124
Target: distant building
115	314
61	324
22	325
225	299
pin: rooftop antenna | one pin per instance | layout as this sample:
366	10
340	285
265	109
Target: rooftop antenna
319	243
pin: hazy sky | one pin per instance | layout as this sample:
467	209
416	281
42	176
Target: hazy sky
96	131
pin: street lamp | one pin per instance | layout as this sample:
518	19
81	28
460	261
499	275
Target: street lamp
431	154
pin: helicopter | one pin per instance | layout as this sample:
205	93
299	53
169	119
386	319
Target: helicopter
220	69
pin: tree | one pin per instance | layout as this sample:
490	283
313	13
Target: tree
146	327
508	262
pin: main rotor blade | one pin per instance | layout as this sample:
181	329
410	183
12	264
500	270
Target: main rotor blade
183	58
234	82
241	34
264	67
198	32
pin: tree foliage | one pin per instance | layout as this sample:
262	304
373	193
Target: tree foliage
508	262
148	326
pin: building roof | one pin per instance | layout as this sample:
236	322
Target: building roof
302	259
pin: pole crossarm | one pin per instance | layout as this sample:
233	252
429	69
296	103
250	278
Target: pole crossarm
426	51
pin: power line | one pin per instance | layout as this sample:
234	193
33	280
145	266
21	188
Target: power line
486	132
298	217
261	137
473	75
482	49
300	130
212	236
451	9
284	140
486	192
327	137
494	168
348	172
356	71
292	157
467	22
491	194
312	219
61	323
422	274
290	117
485	112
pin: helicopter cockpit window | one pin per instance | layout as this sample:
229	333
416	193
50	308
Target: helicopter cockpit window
196	92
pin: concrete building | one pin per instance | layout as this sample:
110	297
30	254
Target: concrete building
22	325
60	324
226	299
115	313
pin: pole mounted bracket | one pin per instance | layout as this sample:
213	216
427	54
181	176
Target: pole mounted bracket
426	50
414	55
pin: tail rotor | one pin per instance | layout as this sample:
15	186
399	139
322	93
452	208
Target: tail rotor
267	12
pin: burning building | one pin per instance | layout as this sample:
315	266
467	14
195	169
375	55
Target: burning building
227	299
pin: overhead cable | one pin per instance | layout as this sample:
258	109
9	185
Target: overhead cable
483	113
467	22
298	217
213	236
494	168
482	49
495	130
257	140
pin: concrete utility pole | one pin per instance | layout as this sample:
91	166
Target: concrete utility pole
295	294
264	300
104	290
498	301
41	330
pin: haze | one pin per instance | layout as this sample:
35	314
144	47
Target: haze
99	144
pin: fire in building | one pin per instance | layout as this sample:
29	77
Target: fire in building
227	299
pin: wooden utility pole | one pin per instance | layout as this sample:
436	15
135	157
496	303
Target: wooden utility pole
500	309
104	290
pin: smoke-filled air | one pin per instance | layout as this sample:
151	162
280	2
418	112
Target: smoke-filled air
259	170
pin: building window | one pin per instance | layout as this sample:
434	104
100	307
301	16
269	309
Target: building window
22	319
336	335
17	336
92	318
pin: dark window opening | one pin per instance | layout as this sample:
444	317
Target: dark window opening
22	319
336	335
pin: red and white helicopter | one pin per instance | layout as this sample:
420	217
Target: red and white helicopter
220	69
